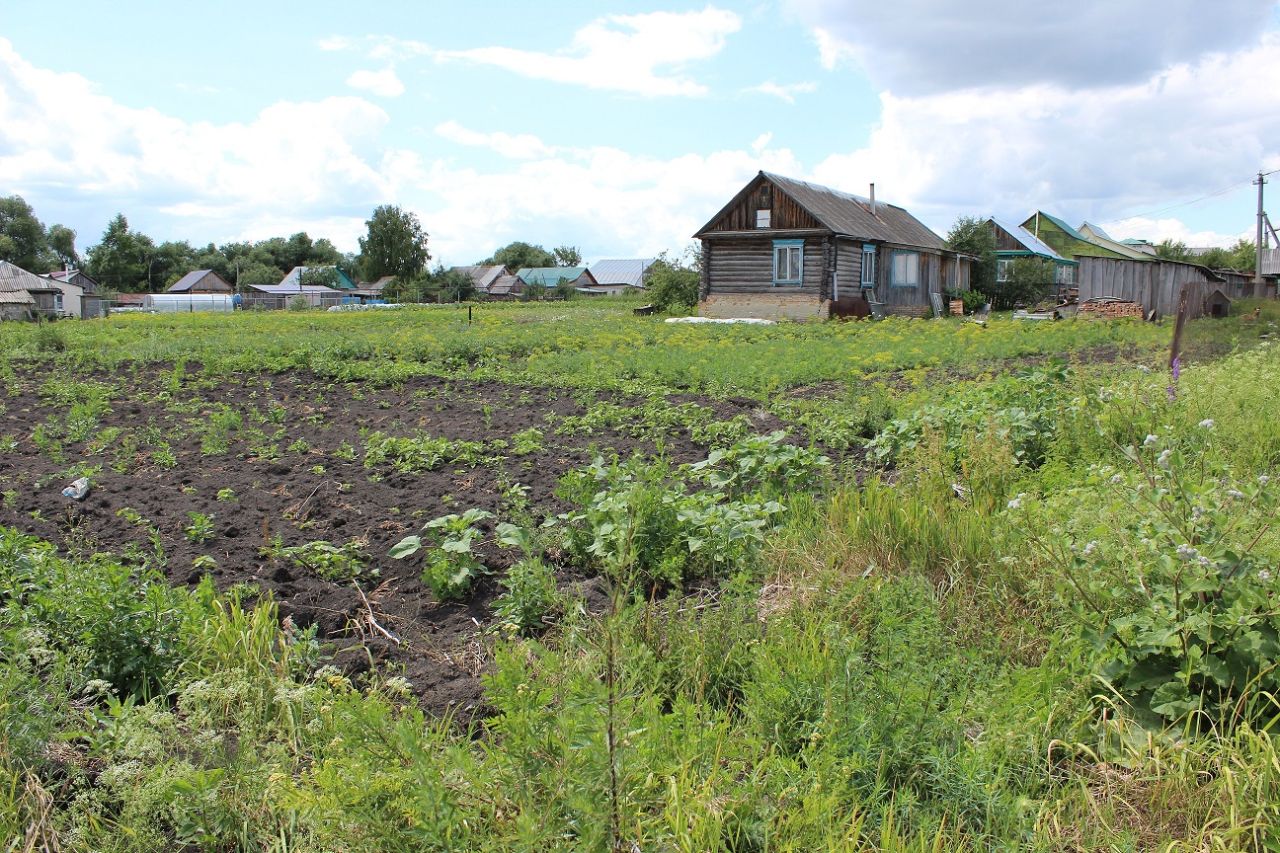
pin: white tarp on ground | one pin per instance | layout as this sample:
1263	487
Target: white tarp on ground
749	320
369	306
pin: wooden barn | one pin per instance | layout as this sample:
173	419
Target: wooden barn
783	248
201	281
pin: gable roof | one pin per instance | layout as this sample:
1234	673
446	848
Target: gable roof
847	214
1095	235
1067	229
17	285
551	276
628	271
287	289
191	279
1029	241
482	276
294	276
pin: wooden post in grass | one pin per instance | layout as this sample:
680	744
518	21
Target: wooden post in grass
1175	349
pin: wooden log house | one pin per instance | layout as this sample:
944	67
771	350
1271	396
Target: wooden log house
785	249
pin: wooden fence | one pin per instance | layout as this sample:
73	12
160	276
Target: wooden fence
1155	285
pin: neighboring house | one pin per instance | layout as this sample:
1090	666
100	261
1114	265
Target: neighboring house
201	281
623	275
299	275
482	276
1067	241
551	277
1098	237
506	286
783	248
91	302
25	295
282	295
1014	241
372	291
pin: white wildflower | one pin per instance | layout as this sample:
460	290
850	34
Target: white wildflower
1163	459
1116	479
1207	423
1205	561
1090	547
1186	553
1264	575
1150	440
1016	503
1144	368
1263	480
1235	494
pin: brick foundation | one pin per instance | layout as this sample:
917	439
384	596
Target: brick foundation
763	306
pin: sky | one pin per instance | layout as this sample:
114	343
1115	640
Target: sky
622	128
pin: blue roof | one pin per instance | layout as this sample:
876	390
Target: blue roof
1031	242
550	276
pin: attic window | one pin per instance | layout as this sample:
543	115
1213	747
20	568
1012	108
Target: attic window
763	217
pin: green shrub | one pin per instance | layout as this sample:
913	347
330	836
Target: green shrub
530	596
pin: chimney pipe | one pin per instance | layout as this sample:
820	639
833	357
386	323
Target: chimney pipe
873	199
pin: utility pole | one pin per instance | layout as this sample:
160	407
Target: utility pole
1257	265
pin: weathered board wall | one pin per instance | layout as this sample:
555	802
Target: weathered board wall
848	281
1156	285
784	212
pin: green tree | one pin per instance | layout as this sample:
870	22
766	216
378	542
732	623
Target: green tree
567	256
123	260
1244	255
518	255
62	243
395	245
23	240
976	237
1026	281
1174	250
671	284
452	285
1216	258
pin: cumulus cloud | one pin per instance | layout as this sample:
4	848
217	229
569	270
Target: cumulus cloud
383	83
57	132
640	54
1085	153
921	46
1155	230
783	91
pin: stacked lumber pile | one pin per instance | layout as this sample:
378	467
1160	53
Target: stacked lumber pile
1111	310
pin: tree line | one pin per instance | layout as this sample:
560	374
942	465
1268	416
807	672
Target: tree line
395	244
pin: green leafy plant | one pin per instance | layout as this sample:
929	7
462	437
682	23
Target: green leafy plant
336	563
200	529
530	596
227	494
451	564
1177	600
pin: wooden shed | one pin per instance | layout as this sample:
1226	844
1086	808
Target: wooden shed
201	281
783	248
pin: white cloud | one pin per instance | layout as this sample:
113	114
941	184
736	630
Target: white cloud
638	54
601	198
384	83
58	134
1094	154
917	46
1155	230
784	91
521	146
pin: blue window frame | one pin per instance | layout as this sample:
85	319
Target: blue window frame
868	266
906	269
788	263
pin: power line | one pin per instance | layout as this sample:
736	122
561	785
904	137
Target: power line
1215	194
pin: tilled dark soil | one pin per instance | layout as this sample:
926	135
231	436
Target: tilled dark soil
308	489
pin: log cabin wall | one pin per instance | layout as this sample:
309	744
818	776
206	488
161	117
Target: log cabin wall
848	266
745	265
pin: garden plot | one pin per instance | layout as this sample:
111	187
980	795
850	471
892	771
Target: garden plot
301	487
